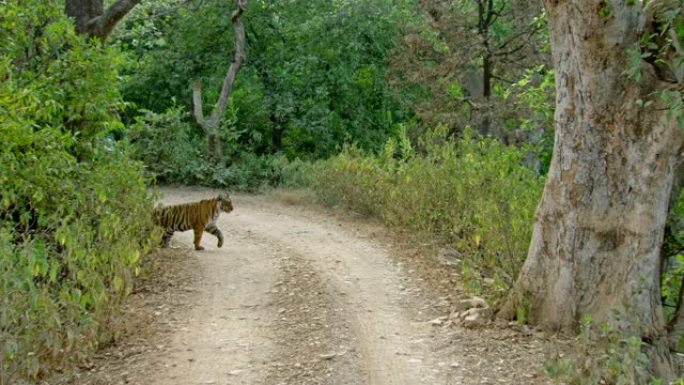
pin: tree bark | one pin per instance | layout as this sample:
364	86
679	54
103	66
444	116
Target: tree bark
595	248
211	125
486	16
92	19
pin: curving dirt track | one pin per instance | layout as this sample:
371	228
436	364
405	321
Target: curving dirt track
296	296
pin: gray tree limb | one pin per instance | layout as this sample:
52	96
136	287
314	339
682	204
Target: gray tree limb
92	19
197	102
238	58
210	125
103	25
227	88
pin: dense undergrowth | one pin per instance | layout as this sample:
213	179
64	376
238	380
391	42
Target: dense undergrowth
173	151
73	206
473	194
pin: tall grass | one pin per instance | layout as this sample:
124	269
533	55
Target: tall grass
474	194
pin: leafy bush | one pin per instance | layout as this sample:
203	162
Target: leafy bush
247	172
472	193
169	147
673	262
296	173
602	356
73	206
174	152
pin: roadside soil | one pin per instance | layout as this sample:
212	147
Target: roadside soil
302	295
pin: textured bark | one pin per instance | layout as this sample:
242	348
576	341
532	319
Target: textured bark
277	135
486	15
599	227
211	125
92	19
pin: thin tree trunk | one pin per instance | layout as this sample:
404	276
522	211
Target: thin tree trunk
277	134
487	88
596	243
486	15
92	19
211	125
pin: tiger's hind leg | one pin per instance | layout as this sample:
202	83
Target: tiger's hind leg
198	237
166	238
215	231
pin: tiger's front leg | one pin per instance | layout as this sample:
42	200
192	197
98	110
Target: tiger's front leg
214	230
166	238
198	237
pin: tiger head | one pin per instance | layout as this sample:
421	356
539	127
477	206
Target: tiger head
225	203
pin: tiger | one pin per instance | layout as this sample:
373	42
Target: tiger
197	216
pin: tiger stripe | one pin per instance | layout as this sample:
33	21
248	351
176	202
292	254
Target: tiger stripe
197	216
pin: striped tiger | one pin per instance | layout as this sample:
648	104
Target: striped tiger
197	216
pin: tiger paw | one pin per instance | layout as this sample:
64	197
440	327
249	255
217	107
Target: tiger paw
199	248
220	243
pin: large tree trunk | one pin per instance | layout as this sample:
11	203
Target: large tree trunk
92	19
596	243
211	125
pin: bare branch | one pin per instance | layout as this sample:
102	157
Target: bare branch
170	10
238	58
197	102
503	79
529	32
103	25
510	51
490	13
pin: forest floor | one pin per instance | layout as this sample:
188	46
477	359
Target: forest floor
302	295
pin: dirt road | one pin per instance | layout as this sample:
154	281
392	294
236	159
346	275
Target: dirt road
300	297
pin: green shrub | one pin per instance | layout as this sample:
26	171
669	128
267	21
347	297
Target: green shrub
169	147
296	173
673	261
174	152
603	356
74	211
473	193
247	172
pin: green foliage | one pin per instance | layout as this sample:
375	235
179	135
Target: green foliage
673	261
248	172
472	193
675	105
73	206
296	173
603	356
169	146
533	97
174	151
313	79
439	65
604	8
316	79
660	48
534	93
